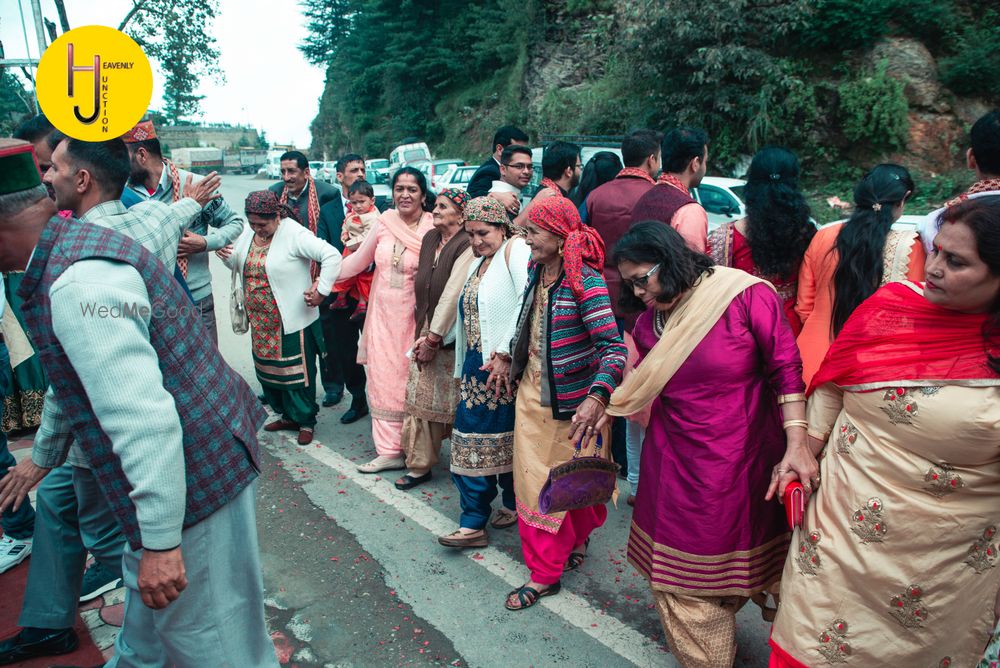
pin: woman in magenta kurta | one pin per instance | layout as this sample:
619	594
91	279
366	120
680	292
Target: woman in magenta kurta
727	375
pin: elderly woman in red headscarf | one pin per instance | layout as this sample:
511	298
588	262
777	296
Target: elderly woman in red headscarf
569	358
278	258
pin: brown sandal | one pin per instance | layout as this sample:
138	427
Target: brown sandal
528	596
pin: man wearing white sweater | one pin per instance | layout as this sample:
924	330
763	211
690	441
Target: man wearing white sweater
126	408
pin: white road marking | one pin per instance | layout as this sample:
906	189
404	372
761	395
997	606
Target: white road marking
610	631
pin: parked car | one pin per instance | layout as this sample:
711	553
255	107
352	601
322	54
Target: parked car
328	172
906	223
383	196
405	154
722	199
457	176
435	169
377	170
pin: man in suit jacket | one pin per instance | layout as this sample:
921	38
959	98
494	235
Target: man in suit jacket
340	333
489	171
175	464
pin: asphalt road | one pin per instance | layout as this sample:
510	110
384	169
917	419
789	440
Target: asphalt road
355	577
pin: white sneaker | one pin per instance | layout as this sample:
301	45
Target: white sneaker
13	551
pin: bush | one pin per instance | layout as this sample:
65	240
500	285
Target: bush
873	110
975	67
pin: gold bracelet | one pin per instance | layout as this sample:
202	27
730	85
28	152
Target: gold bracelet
599	398
790	398
795	423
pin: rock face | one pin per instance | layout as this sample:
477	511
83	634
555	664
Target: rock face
935	128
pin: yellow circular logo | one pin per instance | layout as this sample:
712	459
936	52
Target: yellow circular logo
94	83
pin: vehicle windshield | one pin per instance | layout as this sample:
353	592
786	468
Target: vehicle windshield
378	164
414	154
738	191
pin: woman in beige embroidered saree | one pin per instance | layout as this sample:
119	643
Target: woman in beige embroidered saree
895	562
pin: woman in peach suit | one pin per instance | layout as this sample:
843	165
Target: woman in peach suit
847	262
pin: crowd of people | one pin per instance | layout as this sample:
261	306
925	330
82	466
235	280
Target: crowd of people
601	322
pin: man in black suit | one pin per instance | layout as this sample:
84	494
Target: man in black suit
489	171
340	333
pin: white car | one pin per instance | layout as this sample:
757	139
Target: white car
328	172
722	199
906	223
458	176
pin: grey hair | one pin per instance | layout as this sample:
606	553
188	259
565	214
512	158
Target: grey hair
12	204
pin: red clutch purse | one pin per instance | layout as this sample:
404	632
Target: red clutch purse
795	503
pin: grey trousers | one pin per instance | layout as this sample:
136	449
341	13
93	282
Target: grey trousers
72	517
219	619
206	307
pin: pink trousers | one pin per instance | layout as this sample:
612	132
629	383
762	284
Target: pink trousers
546	553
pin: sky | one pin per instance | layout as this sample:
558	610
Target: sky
269	85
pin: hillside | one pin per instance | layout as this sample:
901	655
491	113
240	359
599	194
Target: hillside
845	83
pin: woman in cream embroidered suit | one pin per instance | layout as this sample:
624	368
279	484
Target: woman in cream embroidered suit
895	562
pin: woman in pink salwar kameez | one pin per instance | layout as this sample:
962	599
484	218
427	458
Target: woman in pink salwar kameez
393	244
720	372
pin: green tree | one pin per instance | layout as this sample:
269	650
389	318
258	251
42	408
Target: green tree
177	35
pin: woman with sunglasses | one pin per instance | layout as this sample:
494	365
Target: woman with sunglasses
721	376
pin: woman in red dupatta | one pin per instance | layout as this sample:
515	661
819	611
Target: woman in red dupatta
895	561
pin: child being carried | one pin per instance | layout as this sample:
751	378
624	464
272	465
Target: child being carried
360	218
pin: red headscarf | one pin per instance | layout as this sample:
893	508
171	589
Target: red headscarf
897	335
583	244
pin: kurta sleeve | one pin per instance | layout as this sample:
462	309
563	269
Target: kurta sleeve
124	386
805	298
918	258
595	310
359	260
447	307
775	340
691	222
822	410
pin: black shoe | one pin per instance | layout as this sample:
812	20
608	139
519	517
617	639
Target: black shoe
31	643
354	413
332	398
262	399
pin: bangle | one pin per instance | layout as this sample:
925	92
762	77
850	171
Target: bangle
790	398
432	343
599	399
795	423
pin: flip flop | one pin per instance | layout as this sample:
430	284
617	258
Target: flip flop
413	481
528	596
576	559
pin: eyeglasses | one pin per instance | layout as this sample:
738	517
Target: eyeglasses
520	166
641	281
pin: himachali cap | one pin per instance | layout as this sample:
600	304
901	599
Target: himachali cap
486	210
142	131
18	166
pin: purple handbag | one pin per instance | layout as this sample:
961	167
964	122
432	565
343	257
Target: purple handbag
579	483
